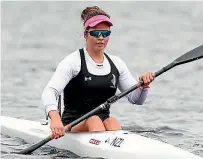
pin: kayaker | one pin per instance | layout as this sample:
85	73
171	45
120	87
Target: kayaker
87	77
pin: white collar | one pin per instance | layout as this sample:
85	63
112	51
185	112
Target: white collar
89	58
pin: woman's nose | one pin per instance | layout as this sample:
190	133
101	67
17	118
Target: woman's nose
100	36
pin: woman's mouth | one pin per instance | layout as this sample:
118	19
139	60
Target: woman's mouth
100	44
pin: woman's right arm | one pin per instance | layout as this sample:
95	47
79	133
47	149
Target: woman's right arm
65	71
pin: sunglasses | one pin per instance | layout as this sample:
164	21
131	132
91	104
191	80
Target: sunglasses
98	33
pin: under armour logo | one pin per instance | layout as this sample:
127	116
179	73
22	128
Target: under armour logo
88	78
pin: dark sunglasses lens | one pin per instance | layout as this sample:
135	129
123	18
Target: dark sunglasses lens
94	33
97	33
106	33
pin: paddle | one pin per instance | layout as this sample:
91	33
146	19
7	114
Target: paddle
192	55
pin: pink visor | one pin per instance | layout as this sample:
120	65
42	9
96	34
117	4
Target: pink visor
96	20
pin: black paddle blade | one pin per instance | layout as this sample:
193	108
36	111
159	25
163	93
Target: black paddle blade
35	146
190	56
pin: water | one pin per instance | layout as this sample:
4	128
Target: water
36	36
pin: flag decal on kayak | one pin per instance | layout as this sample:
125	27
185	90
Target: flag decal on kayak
94	141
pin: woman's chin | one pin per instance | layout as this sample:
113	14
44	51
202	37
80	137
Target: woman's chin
99	47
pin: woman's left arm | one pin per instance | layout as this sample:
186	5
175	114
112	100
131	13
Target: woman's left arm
126	80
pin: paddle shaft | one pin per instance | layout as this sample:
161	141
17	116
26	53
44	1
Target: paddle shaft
115	98
188	57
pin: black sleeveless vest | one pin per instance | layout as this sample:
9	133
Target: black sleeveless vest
87	91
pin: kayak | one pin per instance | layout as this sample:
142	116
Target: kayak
107	144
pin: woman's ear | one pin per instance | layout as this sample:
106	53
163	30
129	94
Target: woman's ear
85	35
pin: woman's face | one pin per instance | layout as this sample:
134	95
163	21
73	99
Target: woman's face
97	43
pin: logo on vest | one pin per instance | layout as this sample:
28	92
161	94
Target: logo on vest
113	81
88	78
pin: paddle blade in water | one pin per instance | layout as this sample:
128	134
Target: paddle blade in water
36	146
192	55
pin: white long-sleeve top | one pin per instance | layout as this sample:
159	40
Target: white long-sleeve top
70	66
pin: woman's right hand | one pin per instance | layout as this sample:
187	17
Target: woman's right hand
56	126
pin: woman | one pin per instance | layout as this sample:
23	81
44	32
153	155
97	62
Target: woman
88	77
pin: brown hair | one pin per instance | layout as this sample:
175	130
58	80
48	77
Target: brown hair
90	12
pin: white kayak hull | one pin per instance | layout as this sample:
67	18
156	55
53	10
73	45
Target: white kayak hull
111	144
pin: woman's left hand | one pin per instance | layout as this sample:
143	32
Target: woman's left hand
147	78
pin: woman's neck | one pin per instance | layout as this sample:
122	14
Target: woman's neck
97	56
